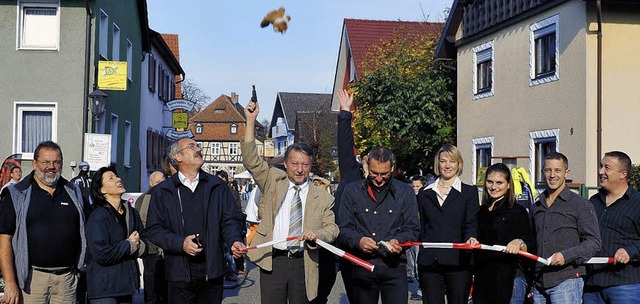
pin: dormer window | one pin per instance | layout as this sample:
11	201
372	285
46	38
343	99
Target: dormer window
234	129
198	128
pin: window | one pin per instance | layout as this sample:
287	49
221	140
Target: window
541	143
39	25
127	143
234	129
104	34
483	151
114	138
483	71
233	148
129	60
544	51
161	82
152	72
115	52
215	148
33	124
198	128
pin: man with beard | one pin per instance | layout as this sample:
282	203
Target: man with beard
193	218
42	240
374	210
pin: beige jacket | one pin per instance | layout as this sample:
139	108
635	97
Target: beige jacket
317	217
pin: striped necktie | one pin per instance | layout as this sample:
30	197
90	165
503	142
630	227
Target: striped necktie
295	220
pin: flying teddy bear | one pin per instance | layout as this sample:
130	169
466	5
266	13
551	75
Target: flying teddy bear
279	20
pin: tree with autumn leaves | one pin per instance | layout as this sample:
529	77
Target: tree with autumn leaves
406	101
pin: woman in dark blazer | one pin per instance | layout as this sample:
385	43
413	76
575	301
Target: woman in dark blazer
499	278
113	237
448	213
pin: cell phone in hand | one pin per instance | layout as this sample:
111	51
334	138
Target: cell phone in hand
197	240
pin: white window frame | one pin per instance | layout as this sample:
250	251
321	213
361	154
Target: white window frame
215	148
52	45
535	137
198	128
537	30
103	36
19	108
127	144
233	129
476	144
115	44
483	53
129	60
233	148
114	138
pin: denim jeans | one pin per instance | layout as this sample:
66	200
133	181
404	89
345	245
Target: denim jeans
412	258
623	294
519	290
567	292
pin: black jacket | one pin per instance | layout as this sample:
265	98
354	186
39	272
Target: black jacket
112	270
453	222
223	222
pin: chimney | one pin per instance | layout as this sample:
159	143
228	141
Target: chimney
234	97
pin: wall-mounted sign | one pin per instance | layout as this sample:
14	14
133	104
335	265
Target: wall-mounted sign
180	120
269	148
183	104
97	150
175	135
112	75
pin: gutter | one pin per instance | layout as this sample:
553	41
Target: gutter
599	84
87	67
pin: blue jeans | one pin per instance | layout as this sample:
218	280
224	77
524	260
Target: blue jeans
623	294
519	290
567	292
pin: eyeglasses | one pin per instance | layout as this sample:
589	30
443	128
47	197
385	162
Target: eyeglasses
55	163
191	146
383	175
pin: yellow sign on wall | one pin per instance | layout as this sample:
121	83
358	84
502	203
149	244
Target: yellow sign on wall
269	148
112	75
180	120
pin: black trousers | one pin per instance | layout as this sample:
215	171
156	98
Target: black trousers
388	282
346	268
326	276
155	285
437	280
284	282
198	291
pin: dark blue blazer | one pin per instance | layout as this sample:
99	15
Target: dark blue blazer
453	222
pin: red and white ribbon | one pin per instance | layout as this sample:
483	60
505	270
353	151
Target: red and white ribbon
345	255
291	238
466	246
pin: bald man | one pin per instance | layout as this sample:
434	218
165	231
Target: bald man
155	285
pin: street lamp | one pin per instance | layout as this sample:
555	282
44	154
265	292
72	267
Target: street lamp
98	100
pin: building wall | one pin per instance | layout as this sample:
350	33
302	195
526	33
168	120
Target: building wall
44	76
124	104
516	108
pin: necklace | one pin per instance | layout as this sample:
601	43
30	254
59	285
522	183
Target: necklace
441	184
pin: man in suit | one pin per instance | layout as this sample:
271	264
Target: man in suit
378	208
289	206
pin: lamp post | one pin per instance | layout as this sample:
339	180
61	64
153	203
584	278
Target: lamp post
98	101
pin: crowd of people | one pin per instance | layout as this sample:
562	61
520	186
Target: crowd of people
59	244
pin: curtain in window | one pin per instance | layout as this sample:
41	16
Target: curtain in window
36	128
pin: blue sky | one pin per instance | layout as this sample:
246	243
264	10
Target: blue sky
224	50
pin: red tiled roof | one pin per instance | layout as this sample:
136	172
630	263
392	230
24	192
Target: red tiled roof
220	110
362	34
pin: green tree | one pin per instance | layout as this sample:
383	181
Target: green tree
405	101
634	180
191	91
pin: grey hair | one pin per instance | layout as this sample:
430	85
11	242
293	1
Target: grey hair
173	150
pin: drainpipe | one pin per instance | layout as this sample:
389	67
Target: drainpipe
599	84
87	67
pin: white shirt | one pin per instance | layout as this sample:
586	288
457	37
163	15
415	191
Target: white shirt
187	183
281	224
457	184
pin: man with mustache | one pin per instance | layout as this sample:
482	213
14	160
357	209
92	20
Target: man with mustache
193	218
378	209
566	230
42	239
288	207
